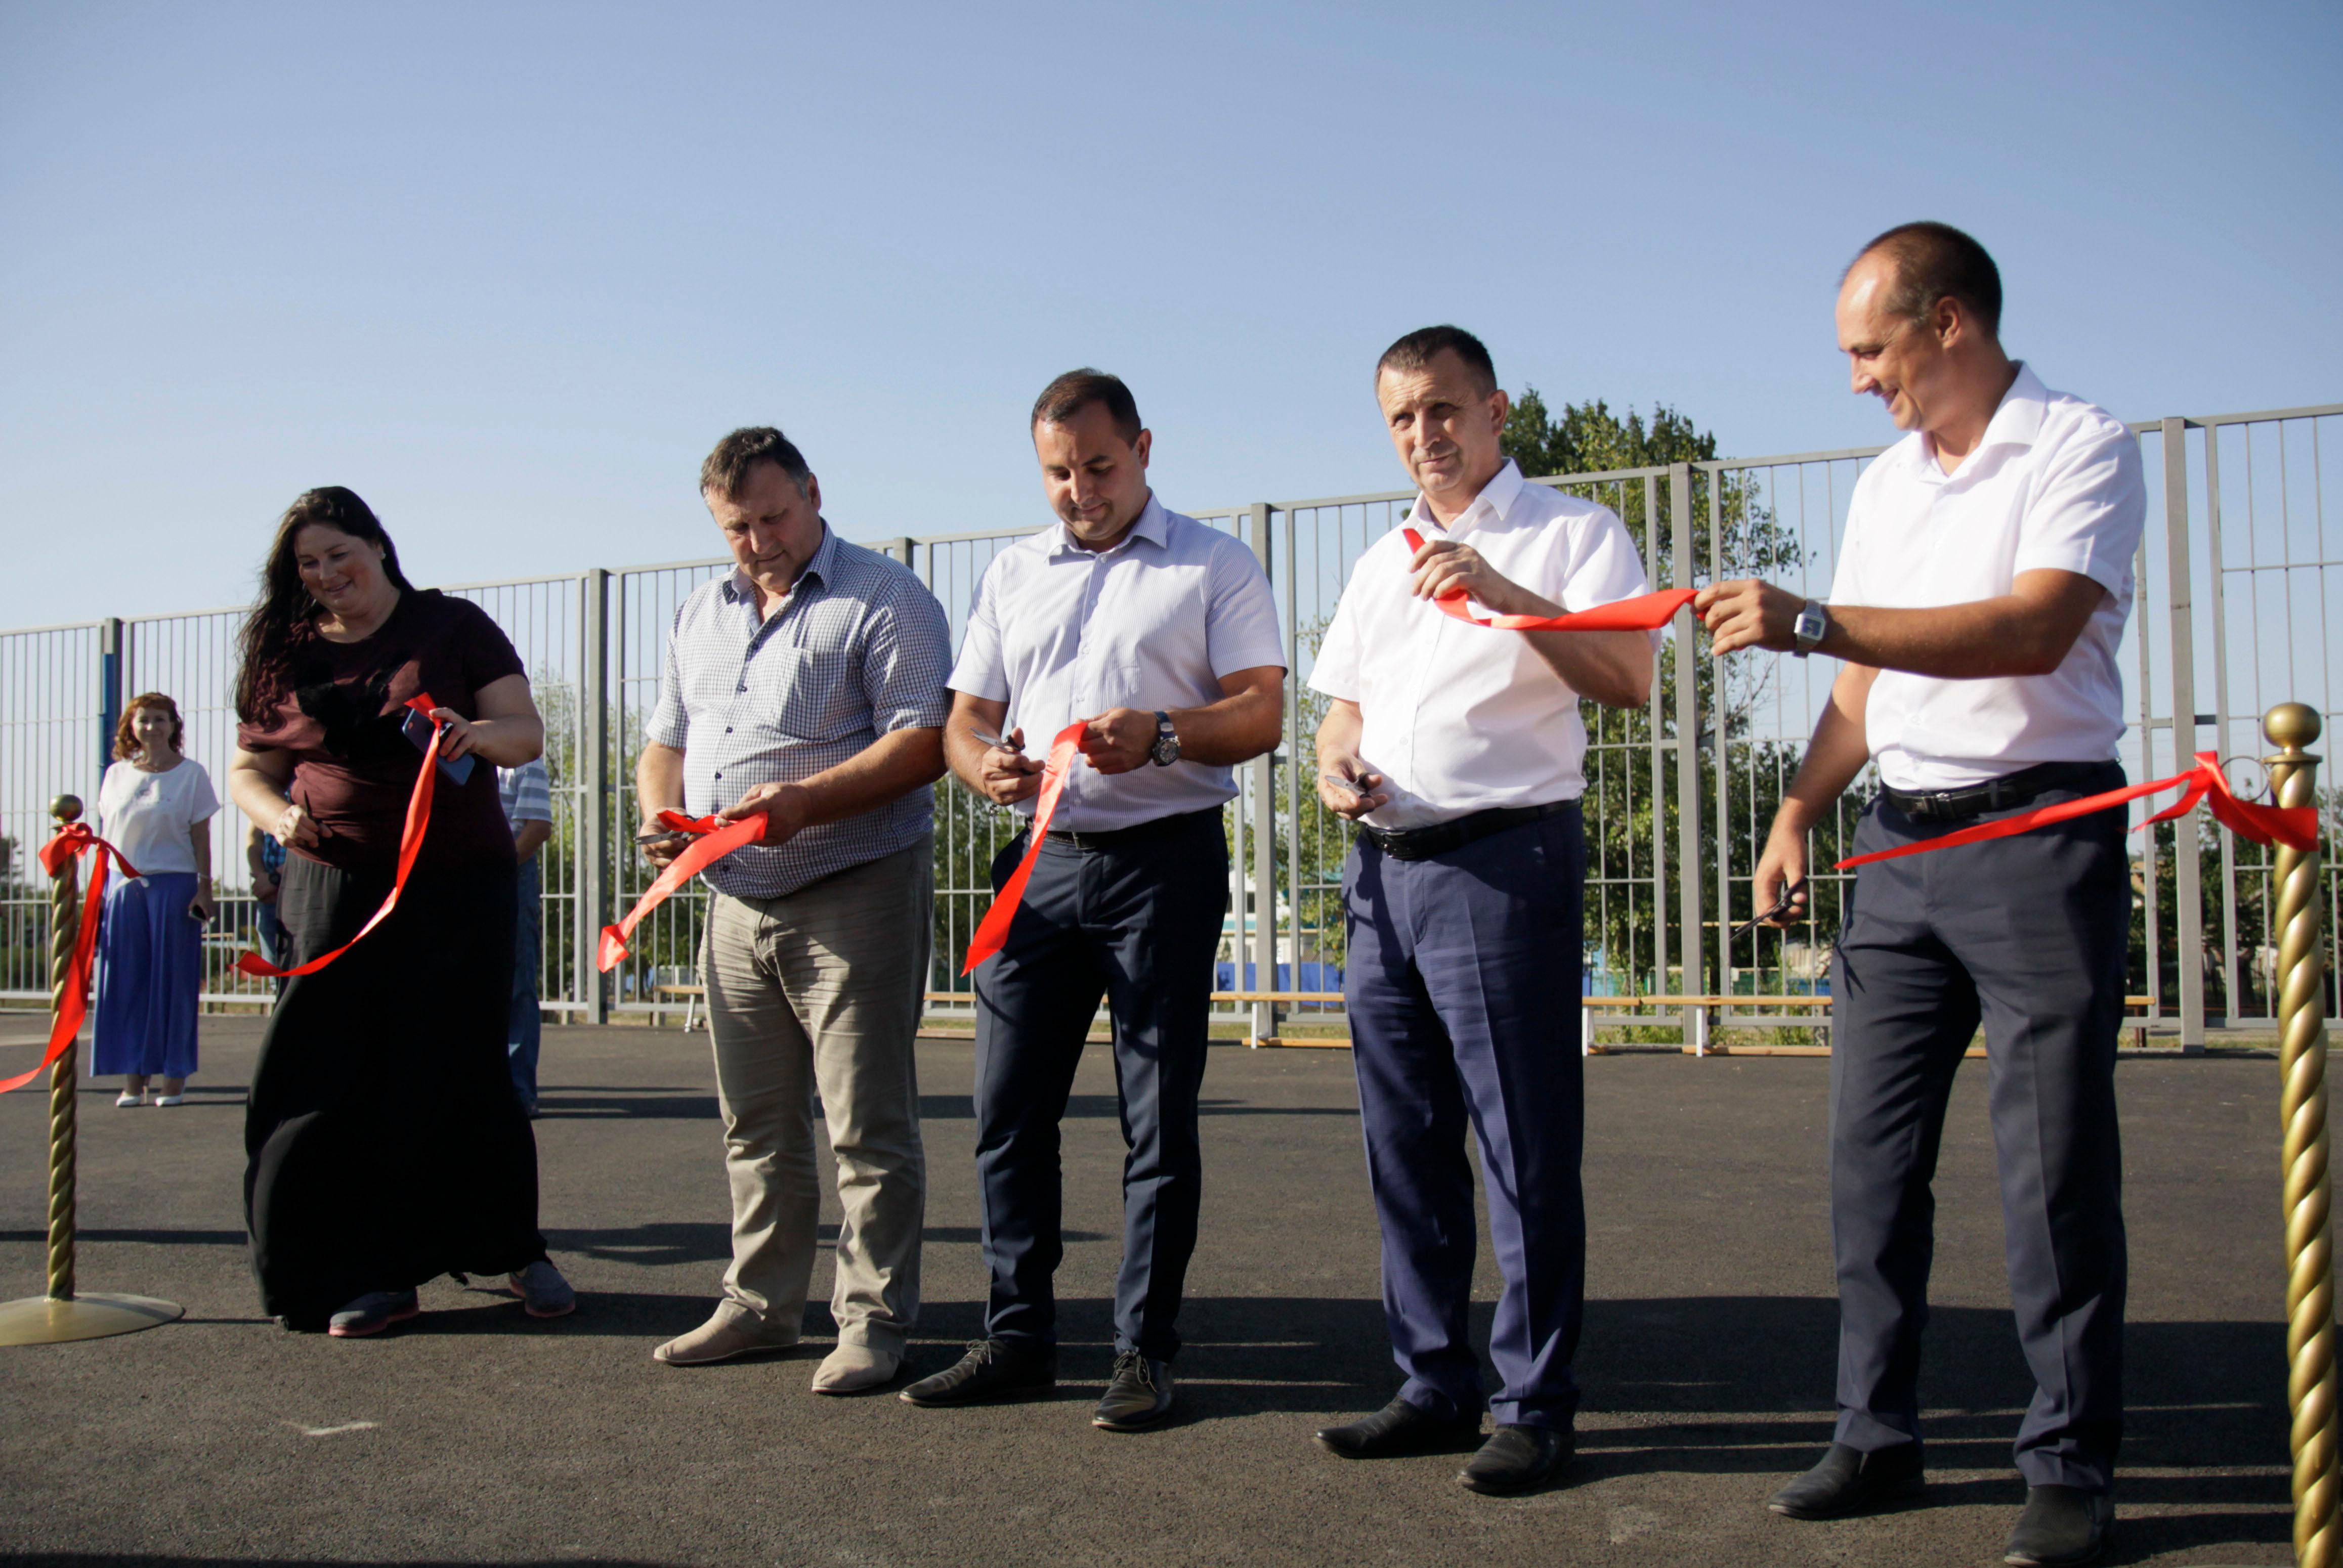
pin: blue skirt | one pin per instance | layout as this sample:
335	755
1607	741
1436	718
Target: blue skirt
150	972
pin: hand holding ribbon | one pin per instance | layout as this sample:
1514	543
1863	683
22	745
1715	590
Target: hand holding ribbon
1647	612
713	838
411	844
73	840
992	932
2296	826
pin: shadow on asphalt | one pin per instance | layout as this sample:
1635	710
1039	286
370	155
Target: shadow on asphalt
662	1242
595	1103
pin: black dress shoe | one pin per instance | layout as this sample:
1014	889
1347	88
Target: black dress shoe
1849	1481
2061	1524
1399	1428
992	1369
1516	1458
1138	1394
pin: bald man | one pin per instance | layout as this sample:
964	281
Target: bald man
1980	601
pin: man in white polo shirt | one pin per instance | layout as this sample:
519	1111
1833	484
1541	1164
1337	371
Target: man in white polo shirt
1980	597
1159	634
1463	906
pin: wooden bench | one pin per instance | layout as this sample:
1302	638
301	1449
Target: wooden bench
692	996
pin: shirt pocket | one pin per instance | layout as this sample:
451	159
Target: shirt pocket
810	688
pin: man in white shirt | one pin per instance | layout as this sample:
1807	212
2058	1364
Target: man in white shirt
1159	634
1980	601
1463	905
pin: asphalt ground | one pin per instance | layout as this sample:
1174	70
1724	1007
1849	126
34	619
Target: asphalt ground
476	1435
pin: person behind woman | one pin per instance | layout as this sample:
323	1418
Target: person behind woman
385	1144
264	857
155	807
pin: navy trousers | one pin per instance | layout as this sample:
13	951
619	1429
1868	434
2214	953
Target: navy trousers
2028	935
1135	917
1462	985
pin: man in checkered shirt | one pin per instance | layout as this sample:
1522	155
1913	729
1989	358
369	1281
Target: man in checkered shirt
807	685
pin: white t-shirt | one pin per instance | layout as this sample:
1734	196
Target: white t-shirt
1461	718
149	816
2055	484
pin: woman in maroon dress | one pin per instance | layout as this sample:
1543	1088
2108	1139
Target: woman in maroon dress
386	1145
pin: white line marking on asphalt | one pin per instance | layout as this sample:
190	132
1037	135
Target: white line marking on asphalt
333	1430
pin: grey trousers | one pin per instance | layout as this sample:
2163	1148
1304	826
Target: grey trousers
820	991
2027	934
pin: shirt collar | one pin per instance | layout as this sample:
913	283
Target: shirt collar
1496	502
2016	422
738	589
1154	525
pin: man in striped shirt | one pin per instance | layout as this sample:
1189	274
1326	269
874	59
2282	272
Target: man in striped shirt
808	686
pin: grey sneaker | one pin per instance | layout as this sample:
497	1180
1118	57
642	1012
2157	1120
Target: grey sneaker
543	1292
373	1312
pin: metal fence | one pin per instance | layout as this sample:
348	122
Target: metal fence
2235	594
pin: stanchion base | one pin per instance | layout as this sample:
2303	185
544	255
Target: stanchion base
39	1320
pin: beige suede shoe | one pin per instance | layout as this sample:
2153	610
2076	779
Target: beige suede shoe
854	1369
719	1338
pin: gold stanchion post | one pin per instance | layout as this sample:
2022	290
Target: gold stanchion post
2310	1386
63	1313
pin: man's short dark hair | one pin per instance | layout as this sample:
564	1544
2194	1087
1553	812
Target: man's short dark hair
1418	350
1076	390
1933	262
727	468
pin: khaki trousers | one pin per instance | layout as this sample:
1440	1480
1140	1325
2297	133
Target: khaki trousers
821	991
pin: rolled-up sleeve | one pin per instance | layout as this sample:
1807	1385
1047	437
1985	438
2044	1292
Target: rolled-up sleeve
905	660
979	670
670	722
1241	621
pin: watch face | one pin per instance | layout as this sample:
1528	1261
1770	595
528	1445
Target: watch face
1166	752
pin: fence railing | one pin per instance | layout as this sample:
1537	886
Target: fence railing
2236	591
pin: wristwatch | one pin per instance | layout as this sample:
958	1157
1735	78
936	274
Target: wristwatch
1166	750
1811	626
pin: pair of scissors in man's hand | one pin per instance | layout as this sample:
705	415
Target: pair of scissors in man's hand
1782	906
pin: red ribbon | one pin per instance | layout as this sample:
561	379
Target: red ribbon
992	932
411	844
73	840
2296	826
1648	612
716	838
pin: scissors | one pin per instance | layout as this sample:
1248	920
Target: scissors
1781	907
989	738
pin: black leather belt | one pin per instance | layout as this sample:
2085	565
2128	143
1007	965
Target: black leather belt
2011	790
1137	833
1440	837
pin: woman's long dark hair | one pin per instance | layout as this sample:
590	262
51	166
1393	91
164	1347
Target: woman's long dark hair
285	614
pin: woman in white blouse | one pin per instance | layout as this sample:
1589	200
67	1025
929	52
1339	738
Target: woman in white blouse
155	806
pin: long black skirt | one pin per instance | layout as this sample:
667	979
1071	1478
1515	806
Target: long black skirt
384	1144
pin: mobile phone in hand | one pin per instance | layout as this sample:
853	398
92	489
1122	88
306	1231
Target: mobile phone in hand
417	728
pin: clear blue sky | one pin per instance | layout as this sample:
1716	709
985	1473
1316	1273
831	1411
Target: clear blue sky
509	271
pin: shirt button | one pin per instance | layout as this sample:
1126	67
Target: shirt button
720	776
727	729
